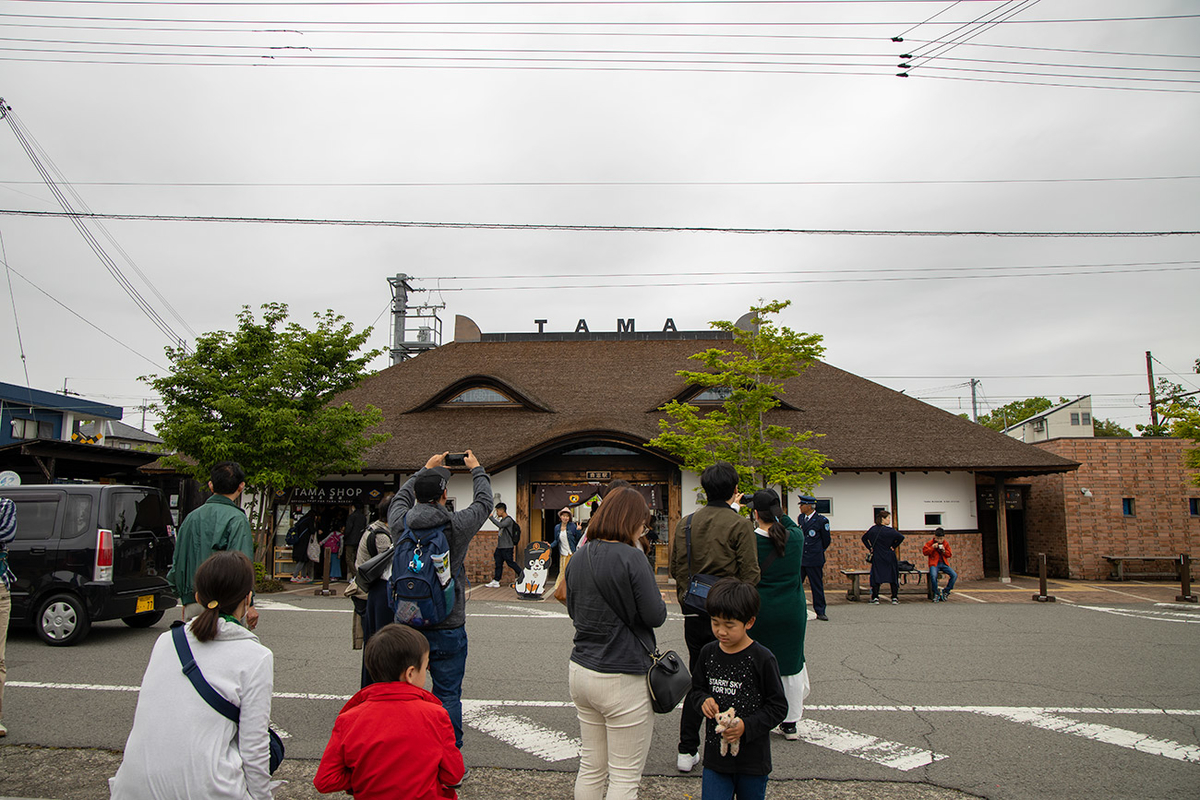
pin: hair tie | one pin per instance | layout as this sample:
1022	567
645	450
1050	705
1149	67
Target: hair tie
212	604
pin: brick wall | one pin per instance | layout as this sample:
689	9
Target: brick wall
846	551
479	563
1077	531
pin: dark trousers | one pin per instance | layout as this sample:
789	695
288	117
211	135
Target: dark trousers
875	589
376	614
697	632
816	582
504	555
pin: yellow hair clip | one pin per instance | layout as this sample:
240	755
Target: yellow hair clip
213	604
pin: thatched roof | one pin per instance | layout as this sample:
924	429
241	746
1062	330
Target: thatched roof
571	389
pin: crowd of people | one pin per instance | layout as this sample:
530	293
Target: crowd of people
207	689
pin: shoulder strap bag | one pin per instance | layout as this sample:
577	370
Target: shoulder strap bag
212	697
696	596
668	678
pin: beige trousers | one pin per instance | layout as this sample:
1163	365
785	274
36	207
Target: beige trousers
615	723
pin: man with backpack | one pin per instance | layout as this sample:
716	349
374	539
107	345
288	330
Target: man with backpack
419	515
508	536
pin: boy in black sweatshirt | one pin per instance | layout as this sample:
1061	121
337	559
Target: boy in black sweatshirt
737	672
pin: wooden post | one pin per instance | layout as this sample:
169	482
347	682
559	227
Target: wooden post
1041	596
1002	528
894	485
1185	580
325	591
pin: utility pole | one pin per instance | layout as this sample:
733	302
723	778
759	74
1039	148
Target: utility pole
974	402
1150	378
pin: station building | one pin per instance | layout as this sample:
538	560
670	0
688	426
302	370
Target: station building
555	416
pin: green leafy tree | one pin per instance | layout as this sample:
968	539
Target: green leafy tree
1106	427
1180	417
260	395
1171	405
1010	414
749	379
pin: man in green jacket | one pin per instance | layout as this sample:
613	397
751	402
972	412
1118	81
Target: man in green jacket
723	545
219	524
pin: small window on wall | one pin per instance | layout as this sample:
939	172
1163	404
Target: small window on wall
1074	417
1086	417
933	519
824	506
878	509
1194	506
1127	506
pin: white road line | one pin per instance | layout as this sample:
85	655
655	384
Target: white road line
275	605
1154	616
969	597
1103	733
1189	606
520	732
864	746
1127	594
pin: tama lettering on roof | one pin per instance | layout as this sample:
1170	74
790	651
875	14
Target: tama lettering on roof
623	325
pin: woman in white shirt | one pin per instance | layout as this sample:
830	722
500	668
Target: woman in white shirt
180	746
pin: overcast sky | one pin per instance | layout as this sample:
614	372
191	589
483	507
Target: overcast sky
766	116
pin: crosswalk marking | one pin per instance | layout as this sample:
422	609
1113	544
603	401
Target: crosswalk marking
520	732
1145	613
864	746
1101	733
496	718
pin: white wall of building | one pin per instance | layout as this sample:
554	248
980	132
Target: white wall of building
461	489
693	496
853	498
950	494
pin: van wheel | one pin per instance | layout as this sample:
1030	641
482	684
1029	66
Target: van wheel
62	621
143	620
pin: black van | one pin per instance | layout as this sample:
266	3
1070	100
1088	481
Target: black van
84	553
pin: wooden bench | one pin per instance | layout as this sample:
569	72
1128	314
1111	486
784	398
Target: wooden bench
1118	565
854	593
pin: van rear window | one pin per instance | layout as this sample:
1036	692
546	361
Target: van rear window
138	511
35	518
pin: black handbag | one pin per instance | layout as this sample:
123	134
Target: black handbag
668	678
210	695
373	568
696	596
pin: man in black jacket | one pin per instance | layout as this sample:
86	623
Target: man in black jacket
816	542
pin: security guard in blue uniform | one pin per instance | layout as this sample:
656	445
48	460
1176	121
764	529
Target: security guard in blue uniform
816	542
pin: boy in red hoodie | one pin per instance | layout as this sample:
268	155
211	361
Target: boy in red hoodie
393	739
937	550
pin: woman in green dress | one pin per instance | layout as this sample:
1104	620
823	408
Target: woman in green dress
784	615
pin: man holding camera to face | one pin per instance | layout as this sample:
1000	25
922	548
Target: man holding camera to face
421	504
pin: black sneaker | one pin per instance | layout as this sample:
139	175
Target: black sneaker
788	729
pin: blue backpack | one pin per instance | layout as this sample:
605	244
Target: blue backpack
421	589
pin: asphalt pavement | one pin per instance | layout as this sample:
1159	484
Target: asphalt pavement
990	696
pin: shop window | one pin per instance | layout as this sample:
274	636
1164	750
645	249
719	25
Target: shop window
933	519
1127	506
1194	506
824	506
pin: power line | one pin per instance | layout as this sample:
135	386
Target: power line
479	184
513	226
82	318
16	321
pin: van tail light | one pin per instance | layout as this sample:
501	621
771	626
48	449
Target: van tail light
104	556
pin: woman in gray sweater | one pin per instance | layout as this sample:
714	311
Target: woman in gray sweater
615	604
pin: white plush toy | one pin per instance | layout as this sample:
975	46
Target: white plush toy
725	720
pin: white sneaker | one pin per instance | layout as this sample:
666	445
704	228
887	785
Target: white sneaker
3	730
686	761
492	584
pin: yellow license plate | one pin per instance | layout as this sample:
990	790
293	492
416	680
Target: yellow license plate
145	603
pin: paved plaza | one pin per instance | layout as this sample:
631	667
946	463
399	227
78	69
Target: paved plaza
989	695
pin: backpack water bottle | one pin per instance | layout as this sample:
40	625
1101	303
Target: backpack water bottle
421	589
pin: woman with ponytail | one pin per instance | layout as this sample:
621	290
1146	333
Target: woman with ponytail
784	613
182	747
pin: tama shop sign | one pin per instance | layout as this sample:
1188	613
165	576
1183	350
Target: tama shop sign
365	492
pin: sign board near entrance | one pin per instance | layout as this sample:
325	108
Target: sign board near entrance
599	475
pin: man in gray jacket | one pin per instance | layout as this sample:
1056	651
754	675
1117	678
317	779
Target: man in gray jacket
506	541
420	504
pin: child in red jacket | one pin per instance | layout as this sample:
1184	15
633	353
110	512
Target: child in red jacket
393	739
937	550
